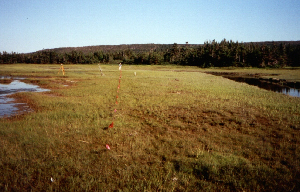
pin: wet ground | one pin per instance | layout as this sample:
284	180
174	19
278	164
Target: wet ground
9	86
271	84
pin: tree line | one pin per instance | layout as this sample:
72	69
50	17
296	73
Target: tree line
210	54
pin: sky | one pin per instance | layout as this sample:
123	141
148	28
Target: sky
31	25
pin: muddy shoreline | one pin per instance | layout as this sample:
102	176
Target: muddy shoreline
259	78
12	104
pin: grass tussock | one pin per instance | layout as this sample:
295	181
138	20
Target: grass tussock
175	129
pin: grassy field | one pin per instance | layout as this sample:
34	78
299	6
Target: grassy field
175	129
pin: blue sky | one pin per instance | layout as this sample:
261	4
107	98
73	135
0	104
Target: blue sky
32	25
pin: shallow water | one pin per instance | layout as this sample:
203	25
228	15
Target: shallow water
267	85
8	106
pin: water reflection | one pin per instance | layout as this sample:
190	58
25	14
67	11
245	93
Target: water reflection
267	85
291	92
8	107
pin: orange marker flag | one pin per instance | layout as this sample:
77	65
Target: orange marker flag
62	69
111	125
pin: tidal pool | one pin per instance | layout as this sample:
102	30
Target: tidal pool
9	86
268	86
279	87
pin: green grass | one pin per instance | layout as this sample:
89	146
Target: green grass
175	129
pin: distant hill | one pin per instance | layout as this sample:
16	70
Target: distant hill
144	47
276	54
113	48
275	42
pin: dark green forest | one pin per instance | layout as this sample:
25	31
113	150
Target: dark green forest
210	54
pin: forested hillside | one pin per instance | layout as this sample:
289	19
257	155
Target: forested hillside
210	54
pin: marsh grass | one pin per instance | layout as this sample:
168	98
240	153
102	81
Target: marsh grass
176	129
